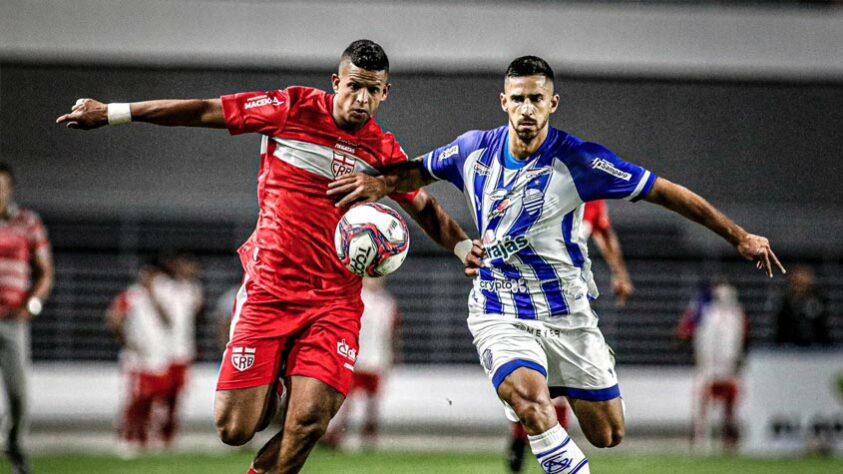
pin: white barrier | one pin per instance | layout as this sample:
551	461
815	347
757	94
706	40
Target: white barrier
793	402
415	397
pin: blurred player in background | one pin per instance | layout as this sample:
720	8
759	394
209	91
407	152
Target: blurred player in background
26	277
181	295
529	310
597	226
802	315
716	324
139	320
378	338
223	309
298	312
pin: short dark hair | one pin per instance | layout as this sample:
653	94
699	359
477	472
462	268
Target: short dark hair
7	169
366	54
529	66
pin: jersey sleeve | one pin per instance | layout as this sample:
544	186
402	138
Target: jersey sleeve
120	304
256	112
446	162
39	243
400	156
600	174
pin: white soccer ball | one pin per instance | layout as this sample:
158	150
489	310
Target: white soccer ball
372	240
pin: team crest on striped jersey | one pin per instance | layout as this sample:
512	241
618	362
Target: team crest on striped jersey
242	358
342	164
533	199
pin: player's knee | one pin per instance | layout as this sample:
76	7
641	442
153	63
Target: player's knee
308	425
234	434
606	437
534	414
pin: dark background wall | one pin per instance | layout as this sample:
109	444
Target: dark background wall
768	152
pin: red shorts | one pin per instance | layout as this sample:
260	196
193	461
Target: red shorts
366	382
269	335
178	376
147	385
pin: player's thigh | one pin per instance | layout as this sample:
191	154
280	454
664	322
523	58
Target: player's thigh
242	408
312	403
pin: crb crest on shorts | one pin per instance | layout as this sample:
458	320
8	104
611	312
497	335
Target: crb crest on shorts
242	358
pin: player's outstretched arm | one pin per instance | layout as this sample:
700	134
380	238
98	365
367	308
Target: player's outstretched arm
358	187
689	204
445	231
610	248
88	114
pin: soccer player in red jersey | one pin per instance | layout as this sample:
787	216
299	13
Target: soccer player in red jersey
26	277
598	227
298	311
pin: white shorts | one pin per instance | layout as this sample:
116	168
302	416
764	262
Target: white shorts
576	362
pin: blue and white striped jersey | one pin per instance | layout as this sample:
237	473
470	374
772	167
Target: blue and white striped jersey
530	216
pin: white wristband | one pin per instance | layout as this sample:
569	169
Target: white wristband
119	114
462	248
34	306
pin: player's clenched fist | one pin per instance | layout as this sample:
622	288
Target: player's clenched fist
86	114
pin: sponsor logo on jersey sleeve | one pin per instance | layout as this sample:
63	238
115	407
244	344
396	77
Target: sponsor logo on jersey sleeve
607	167
242	358
261	101
449	152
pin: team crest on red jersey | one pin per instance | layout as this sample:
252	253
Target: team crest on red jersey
342	165
242	358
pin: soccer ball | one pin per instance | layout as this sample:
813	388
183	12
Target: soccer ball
372	240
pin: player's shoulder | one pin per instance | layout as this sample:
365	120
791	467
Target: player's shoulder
129	296
484	138
27	216
568	147
304	97
473	140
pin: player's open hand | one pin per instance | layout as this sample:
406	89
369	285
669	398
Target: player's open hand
86	114
756	247
474	259
357	188
622	288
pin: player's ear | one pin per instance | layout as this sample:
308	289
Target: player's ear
503	101
335	82
386	91
554	103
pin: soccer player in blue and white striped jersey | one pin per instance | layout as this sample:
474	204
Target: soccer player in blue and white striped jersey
529	310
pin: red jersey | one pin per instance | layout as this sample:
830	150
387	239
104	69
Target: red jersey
22	237
291	252
595	218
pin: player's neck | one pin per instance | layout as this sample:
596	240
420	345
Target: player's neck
342	124
521	149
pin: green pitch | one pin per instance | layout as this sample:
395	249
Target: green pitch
422	463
